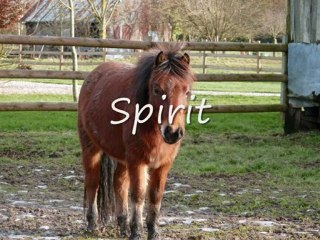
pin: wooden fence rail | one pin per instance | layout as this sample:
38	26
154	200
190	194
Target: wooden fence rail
88	42
99	53
200	77
204	66
45	106
105	43
257	69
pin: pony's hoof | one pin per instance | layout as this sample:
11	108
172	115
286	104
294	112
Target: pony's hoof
124	233
124	227
154	236
92	228
135	237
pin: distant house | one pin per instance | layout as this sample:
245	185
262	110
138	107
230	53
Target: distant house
132	21
51	18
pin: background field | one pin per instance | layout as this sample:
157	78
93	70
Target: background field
238	176
240	168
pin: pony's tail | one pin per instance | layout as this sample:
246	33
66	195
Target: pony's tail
106	197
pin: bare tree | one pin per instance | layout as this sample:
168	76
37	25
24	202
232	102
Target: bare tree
209	19
70	6
216	20
126	18
274	18
103	13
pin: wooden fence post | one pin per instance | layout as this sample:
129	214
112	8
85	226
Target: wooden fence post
20	45
61	58
258	63
204	62
284	85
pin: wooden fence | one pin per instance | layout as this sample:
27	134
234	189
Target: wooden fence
203	46
204	55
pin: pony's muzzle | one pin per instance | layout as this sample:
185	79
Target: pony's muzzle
170	135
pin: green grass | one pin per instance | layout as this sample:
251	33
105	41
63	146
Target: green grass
238	87
37	121
210	100
232	153
234	100
35	98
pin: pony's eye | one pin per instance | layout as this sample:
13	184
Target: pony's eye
157	90
188	93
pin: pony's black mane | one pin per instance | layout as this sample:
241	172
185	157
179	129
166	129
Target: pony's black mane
146	65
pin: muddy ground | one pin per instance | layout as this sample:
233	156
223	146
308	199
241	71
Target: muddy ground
42	203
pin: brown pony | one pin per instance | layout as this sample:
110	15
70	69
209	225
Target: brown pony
161	78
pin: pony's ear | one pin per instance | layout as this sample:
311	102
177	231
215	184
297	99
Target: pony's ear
185	58
160	58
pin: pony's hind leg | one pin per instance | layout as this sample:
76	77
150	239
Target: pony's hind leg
91	164
121	188
158	178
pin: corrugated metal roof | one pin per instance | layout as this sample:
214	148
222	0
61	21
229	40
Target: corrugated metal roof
50	11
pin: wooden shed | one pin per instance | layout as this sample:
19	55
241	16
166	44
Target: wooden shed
303	65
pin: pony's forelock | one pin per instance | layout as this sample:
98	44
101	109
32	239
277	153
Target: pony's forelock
172	66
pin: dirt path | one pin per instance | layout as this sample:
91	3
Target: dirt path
40	203
19	87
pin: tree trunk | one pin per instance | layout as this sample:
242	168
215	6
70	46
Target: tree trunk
73	51
275	41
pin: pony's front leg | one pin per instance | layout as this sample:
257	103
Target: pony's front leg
121	188
91	164
158	178
138	185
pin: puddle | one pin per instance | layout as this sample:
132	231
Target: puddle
189	212
257	191
44	227
190	195
70	177
79	221
241	192
203	209
188	221
23	191
180	185
184	220
76	208
55	201
22	203
210	229
170	191
264	223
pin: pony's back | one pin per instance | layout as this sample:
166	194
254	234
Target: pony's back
103	85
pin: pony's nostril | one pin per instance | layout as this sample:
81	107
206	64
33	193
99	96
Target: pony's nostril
168	132
180	131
